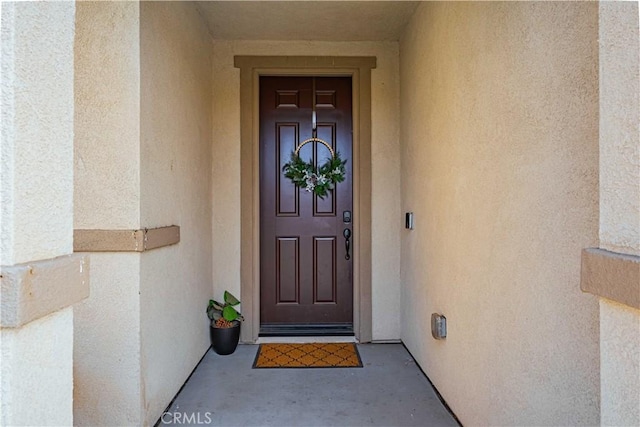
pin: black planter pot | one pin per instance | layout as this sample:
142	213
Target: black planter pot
225	340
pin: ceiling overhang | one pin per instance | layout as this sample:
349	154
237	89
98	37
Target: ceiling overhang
307	20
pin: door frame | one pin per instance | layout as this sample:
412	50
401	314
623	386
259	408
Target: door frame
251	68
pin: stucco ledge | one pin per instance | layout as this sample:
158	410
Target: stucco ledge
140	240
36	289
611	275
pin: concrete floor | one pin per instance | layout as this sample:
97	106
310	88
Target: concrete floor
389	391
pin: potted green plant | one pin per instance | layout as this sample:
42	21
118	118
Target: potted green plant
224	330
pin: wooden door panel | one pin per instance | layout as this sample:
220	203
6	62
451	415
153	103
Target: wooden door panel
287	272
324	270
326	206
286	138
304	276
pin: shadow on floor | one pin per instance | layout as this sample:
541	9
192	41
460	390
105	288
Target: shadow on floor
390	390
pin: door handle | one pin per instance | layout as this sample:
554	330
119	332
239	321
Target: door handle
347	235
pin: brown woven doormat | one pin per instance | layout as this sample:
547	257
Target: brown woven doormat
315	355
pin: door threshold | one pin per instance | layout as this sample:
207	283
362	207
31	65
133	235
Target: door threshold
298	330
305	339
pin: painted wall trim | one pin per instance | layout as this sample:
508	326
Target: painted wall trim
611	275
125	240
251	68
288	62
36	289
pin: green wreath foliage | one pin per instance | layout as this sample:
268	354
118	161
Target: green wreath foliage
318	181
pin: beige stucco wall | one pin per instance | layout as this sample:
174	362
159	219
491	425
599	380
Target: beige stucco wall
106	366
619	203
36	372
143	150
107	175
107	116
37	59
620	364
619	127
386	215
36	196
175	188
107	196
499	134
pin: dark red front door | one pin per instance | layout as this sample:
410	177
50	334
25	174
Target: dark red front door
305	278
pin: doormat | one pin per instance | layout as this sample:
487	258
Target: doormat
314	355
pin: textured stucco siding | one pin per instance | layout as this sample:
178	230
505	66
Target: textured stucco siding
107	116
620	204
36	372
143	159
107	196
386	216
37	131
107	389
499	137
620	364
175	188
619	127
36	205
